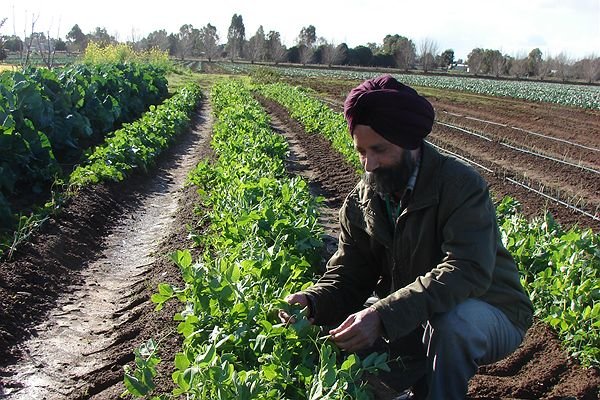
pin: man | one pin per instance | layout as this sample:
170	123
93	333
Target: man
419	231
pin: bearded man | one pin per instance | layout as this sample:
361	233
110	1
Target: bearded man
419	237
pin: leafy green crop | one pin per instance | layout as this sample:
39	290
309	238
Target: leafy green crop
49	117
137	145
259	244
559	269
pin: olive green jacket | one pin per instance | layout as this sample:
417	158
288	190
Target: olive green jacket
445	247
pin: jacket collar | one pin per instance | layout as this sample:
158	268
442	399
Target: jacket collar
373	215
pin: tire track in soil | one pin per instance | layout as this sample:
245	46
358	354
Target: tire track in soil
80	347
538	369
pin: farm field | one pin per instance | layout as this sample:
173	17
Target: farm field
146	219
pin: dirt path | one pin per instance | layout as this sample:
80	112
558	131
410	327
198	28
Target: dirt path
95	322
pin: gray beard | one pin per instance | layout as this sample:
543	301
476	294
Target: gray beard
392	180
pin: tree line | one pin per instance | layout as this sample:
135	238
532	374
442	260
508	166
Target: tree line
395	51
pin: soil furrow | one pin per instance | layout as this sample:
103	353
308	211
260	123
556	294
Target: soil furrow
81	331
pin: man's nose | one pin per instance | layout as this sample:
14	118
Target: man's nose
371	163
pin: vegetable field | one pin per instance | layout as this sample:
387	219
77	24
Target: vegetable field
165	269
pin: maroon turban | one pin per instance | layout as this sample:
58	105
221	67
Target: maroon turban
395	111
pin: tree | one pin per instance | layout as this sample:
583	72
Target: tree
308	36
363	56
101	37
475	60
157	40
562	66
428	49
519	66
189	39
446	58
210	41
534	59
328	53
305	53
77	39
2	42
236	36
591	68
275	50
401	49
13	43
257	46
492	62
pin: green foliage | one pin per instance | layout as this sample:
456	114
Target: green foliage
584	96
315	116
49	117
259	245
137	145
139	382
561	271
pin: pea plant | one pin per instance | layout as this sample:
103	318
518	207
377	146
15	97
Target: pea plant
260	241
559	269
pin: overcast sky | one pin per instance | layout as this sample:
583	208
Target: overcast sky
514	27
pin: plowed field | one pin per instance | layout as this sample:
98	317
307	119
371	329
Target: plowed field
47	278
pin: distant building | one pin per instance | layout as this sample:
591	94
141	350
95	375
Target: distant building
458	67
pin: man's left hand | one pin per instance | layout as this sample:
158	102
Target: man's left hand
359	331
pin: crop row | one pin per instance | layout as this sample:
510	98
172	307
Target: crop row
584	96
50	117
259	243
559	268
134	146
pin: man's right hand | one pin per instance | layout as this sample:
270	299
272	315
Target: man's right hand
294	298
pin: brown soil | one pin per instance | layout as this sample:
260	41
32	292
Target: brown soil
56	257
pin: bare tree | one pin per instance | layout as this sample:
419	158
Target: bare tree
405	53
2	42
28	42
330	53
428	49
562	66
210	41
306	53
256	46
47	50
519	66
591	68
276	51
186	42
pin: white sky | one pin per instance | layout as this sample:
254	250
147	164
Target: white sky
514	27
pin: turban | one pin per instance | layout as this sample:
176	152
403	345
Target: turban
395	111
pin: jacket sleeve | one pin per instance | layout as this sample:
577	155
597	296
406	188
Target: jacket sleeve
350	278
466	223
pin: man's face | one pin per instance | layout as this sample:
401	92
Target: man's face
388	167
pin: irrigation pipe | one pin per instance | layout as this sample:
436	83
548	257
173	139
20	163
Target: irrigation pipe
587	214
525	130
521	149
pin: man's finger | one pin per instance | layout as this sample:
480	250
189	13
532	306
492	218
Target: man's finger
343	326
285	317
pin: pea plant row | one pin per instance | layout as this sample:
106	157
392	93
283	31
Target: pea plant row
260	240
51	118
544	92
559	267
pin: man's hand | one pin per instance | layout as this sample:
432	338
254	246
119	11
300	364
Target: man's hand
359	331
295	298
